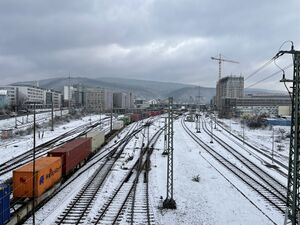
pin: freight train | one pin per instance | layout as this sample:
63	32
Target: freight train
51	170
56	167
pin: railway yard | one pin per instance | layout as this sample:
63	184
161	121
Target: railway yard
220	175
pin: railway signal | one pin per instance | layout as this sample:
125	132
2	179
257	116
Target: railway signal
293	194
169	202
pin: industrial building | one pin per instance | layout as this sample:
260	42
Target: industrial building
257	104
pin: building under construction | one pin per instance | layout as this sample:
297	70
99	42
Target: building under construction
228	87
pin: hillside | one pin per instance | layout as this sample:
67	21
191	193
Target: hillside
141	88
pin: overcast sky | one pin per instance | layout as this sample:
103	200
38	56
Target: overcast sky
162	40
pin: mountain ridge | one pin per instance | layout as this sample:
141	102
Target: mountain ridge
140	88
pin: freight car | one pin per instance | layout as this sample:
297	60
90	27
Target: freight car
47	173
117	125
50	171
4	203
135	117
73	154
97	138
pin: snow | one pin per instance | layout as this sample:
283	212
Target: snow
218	198
211	201
10	123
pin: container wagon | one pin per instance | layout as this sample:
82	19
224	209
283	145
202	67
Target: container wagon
136	117
48	172
73	154
117	125
97	138
4	203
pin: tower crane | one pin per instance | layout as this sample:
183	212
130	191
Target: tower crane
220	60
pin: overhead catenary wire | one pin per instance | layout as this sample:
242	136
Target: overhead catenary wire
259	69
271	75
268	62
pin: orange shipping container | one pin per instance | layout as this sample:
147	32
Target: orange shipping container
47	173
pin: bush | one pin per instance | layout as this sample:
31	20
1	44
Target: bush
196	178
253	121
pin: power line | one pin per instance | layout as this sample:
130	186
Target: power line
268	63
271	75
259	69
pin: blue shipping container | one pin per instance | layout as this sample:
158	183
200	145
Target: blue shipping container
4	203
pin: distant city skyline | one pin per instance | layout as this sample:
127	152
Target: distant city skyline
163	40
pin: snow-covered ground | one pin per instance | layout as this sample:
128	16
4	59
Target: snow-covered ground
22	121
219	198
214	200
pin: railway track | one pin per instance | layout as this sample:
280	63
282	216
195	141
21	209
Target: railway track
262	174
262	152
78	209
265	187
98	157
42	149
132	195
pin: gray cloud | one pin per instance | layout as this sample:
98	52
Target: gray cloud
151	39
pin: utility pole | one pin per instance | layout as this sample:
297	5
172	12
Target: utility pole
293	198
52	113
198	123
243	134
111	116
169	202
100	123
211	131
273	139
215	121
69	93
33	169
148	135
165	152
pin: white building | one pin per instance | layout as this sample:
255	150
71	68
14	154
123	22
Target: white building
122	100
26	96
12	95
108	100
31	95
